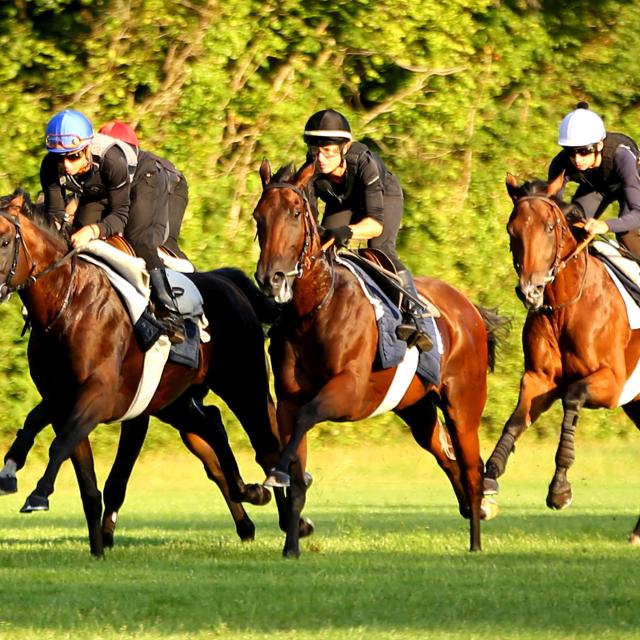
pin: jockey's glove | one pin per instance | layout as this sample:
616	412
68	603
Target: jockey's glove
340	235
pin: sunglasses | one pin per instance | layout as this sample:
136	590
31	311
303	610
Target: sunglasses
327	152
580	151
72	156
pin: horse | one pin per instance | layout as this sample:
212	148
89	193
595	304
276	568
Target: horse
570	353
86	362
323	354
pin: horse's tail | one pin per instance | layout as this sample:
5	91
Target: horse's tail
266	308
498	328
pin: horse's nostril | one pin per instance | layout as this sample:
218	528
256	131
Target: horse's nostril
276	278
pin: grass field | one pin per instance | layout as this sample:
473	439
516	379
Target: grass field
388	560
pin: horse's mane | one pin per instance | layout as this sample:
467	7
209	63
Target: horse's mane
285	173
537	187
33	211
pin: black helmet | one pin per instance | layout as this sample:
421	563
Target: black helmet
327	127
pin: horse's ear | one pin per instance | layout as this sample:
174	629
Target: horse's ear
18	199
304	175
556	185
265	173
512	187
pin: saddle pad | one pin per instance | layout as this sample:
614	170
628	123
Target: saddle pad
391	349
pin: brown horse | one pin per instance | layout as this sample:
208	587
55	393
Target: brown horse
86	363
570	352
324	353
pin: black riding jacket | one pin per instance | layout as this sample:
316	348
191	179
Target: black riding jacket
615	179
367	181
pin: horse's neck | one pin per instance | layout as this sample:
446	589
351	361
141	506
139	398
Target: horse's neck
312	291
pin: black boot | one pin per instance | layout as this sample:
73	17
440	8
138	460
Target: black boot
410	330
166	307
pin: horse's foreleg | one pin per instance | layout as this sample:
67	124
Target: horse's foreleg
633	411
595	390
296	498
537	393
82	459
132	435
37	419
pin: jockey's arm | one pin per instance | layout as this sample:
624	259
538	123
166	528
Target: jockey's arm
366	229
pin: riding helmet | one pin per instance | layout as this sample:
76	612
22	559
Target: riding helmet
581	128
67	132
121	131
327	127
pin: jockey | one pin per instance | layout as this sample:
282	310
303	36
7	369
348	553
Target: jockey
605	166
178	187
363	200
104	173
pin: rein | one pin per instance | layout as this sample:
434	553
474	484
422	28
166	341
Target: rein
7	287
559	264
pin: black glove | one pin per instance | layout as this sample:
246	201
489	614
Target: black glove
340	235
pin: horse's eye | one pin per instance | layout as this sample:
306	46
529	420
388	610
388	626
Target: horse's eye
5	243
296	213
550	227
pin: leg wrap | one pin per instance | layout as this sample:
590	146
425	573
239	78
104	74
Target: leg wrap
498	459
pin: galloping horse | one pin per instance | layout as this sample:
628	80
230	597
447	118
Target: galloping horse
578	346
86	363
323	354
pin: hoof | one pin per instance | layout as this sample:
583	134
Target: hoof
489	509
256	494
246	530
8	484
108	529
634	539
291	553
277	479
559	501
35	503
490	487
308	479
306	527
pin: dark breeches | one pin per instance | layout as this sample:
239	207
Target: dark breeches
386	241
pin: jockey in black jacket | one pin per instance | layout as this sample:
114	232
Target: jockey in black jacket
363	200
605	166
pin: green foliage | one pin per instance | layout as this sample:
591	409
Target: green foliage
453	94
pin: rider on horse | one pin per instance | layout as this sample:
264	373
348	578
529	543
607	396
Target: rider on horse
178	186
120	192
363	200
605	166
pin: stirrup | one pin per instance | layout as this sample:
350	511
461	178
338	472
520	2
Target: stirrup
414	337
173	327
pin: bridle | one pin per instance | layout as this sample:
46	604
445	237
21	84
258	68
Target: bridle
306	261
9	287
560	263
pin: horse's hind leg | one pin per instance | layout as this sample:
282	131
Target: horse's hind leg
633	411
132	435
203	433
429	433
37	419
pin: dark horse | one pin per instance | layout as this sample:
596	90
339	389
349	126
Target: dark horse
324	354
86	363
577	343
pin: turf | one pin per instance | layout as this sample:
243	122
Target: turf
388	560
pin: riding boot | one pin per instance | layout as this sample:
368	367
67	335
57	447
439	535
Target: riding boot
410	329
166	306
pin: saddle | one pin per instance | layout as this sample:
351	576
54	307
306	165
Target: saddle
170	259
383	272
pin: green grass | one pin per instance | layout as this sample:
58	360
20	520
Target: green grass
388	560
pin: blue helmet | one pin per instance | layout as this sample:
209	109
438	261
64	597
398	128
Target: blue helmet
68	131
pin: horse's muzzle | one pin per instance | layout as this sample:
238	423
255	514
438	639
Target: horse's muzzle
531	295
275	285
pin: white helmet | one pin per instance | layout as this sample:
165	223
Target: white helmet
581	128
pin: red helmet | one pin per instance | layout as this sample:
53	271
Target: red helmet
120	130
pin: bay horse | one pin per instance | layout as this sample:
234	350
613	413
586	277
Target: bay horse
323	353
578	346
85	362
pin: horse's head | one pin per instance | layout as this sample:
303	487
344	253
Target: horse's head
286	230
11	207
539	236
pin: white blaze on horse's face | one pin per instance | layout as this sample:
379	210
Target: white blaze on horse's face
533	243
279	219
